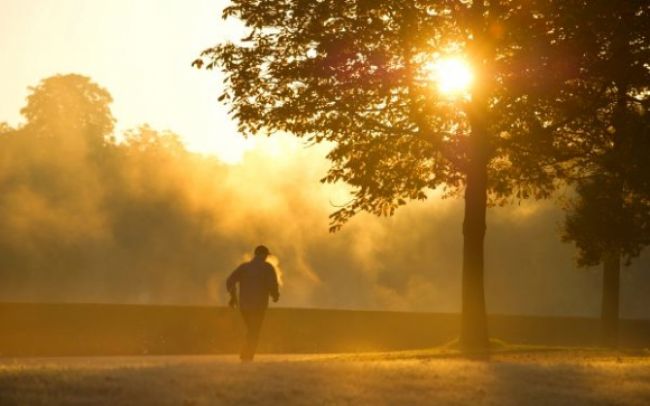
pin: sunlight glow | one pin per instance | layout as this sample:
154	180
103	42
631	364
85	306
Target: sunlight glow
453	75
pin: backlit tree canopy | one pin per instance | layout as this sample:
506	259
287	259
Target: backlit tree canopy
609	220
355	73
69	104
614	197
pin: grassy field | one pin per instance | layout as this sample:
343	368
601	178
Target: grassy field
522	376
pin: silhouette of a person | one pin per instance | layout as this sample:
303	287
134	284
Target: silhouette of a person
257	281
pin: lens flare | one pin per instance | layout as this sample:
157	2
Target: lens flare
453	75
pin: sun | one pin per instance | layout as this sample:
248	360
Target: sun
453	75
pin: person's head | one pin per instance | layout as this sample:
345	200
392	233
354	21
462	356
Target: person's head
261	252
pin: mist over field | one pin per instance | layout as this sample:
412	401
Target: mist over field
86	218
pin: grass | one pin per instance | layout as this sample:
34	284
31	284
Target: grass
509	375
497	348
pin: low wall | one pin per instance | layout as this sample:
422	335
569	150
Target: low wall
107	329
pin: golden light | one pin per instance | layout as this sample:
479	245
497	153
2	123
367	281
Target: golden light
453	75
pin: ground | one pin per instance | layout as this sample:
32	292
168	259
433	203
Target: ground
558	377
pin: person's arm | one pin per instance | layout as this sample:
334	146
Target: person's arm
274	290
231	286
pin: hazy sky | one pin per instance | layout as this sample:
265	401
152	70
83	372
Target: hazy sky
141	51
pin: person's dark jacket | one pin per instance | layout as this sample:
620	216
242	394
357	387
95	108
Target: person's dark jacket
257	281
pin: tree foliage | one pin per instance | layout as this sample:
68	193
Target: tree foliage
354	73
602	221
70	104
611	212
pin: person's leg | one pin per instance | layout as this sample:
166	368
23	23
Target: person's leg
256	325
244	354
253	319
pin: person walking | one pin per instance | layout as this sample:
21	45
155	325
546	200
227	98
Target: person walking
257	280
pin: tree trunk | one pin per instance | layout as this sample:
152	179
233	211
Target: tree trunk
473	333
609	310
473	329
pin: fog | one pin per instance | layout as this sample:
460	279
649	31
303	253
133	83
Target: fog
85	218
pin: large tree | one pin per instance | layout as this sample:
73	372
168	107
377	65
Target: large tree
608	220
354	73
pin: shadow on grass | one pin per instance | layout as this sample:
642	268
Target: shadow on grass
497	348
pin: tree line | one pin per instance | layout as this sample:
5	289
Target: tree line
89	213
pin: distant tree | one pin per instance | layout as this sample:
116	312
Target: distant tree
608	224
150	162
608	220
67	136
354	73
70	109
145	139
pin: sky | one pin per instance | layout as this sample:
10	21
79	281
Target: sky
141	51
